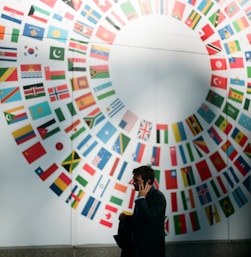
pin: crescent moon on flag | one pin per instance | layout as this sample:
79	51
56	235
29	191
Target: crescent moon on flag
57	53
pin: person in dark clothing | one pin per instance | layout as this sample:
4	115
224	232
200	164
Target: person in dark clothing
147	221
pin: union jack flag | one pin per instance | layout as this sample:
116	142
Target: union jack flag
145	129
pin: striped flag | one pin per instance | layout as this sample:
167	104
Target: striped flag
187	176
242	165
174	201
23	134
77	46
194	220
94	118
129	10
214	135
101	186
173	155
53	75
100	52
76	64
39	14
83	29
8	74
205	6
239	197
75	197
8	95
187	199
200	145
180	224
179	131
145	7
193	19
241	24
115	107
60	184
229	150
12	15
194	124
162	129
139	152
214	47
91	208
48	129
8	54
128	121
223	124
46	173
31	71
75	129
34	90
231	177
84	101
235	95
99	71
88	144
212	214
15	114
155	158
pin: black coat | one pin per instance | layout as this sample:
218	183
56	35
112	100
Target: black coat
148	228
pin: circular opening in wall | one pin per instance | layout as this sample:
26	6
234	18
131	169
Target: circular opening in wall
160	69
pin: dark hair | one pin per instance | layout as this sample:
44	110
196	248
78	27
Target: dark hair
146	173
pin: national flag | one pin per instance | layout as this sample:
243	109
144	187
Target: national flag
40	110
235	95
122	170
206	32
242	165
229	150
8	95
83	29
162	129
94	118
34	152
248	56
155	158
101	186
88	143
187	199
215	188
180	224
218	64
116	200
194	124
90	14
57	53
205	6
104	90
217	18
214	135
145	129
100	52
47	129
203	170
171	179
23	134
145	7
200	144
8	74
247	183
121	143
231	111
33	31
173	155
74	4
108	212
178	10
194	220
129	10
232	47
193	19
101	159
71	161
249	76
34	91
44	174
138	155
247	150
104	5
227	206
236	62
174	201
212	214
128	121
50	3
76	64
239	197
2	32
53	75
99	71
222	185
66	17
237	81
91	207
206	113
79	83
8	54
12	15
182	154
59	92
214	98
114	23
31	71
242	2
161	7
39	13
231	9
203	194
179	131
218	81
223	124
60	184
217	161
231	177
187	176
240	24
214	47
77	46
14	35
105	34
81	180
75	197
248	12
106	132
115	107
15	114
226	32
245	121
85	101
249	38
